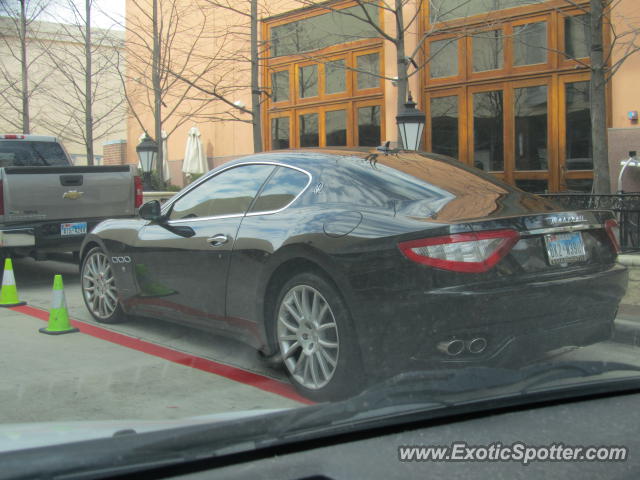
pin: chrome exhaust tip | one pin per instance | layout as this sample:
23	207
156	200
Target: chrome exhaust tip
477	345
452	348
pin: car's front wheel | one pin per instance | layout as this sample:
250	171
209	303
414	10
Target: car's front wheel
99	288
316	339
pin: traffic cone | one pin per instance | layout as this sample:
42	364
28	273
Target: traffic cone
9	292
58	317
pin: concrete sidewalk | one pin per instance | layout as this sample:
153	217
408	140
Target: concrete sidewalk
627	326
79	377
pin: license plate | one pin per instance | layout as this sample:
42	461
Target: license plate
565	247
78	228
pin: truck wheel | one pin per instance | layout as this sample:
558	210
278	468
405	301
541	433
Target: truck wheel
99	288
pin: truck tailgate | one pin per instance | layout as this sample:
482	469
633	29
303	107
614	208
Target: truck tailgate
50	193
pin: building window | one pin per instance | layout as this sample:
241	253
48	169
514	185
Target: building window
444	125
321	31
488	128
530	44
443	58
280	133
444	10
578	127
308	81
335	77
530	109
368	71
576	36
488	51
280	85
369	126
335	127
308	128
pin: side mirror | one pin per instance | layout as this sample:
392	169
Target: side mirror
150	211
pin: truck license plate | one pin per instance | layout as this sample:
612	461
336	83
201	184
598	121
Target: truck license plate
78	228
565	247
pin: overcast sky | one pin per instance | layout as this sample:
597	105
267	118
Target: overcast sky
105	13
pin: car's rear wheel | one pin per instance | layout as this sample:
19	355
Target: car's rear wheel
316	339
99	288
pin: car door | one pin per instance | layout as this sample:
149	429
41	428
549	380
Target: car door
181	264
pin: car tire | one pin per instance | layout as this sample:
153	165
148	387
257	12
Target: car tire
99	288
316	339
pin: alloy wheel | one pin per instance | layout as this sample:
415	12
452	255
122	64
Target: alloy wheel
308	337
98	286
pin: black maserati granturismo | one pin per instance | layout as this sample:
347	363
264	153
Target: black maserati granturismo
347	266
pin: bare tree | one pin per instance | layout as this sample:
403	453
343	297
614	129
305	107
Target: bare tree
91	105
17	91
172	48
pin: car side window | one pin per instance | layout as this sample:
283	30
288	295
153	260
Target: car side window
228	193
281	189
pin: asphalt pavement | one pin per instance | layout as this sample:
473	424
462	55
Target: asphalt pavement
148	369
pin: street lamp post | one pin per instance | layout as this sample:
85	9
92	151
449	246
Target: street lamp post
410	124
147	150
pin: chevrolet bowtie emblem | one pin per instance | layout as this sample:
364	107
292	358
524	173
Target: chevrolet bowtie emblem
72	194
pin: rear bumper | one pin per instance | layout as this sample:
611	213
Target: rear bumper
518	322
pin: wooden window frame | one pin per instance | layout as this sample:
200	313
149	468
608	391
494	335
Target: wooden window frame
350	125
563	173
271	116
368	103
298	100
347	82
463	155
488	74
550	49
354	72
462	64
273	70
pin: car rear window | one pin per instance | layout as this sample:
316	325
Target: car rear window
25	153
281	189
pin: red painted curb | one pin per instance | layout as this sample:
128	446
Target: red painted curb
232	373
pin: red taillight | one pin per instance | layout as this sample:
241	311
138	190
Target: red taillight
13	137
463	252
137	182
1	198
613	230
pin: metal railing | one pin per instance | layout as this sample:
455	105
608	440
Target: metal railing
626	207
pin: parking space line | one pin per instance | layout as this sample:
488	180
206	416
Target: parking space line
232	373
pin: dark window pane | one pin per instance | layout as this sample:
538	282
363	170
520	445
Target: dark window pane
579	184
488	51
280	84
228	193
281	189
309	130
444	125
443	10
23	153
368	63
488	131
335	77
578	141
576	35
335	126
280	133
323	31
369	126
443	60
533	185
530	44
530	105
308	81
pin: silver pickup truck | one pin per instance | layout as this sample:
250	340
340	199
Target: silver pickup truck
48	205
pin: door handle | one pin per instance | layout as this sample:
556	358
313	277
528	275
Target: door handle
218	240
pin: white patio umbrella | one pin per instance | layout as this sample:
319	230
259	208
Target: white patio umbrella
166	174
195	163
